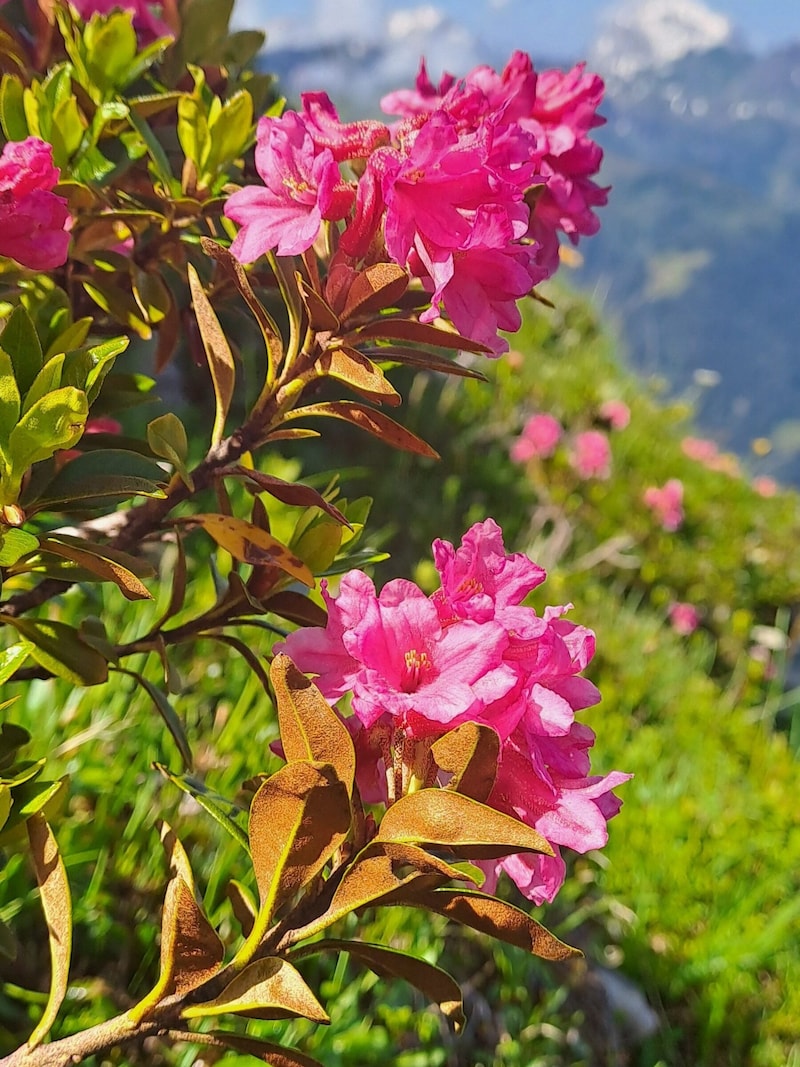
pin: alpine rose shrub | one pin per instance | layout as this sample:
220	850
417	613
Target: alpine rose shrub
416	666
34	221
539	438
468	191
666	503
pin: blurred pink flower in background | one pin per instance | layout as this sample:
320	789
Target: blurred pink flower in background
666	503
765	486
540	435
591	455
684	618
707	452
148	27
616	413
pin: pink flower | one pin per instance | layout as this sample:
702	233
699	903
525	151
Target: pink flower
540	435
765	486
417	666
302	186
351	140
616	413
591	455
33	220
666	503
148	27
685	618
708	453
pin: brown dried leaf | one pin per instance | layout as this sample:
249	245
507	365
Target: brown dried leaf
470	754
490	916
270	988
374	422
57	906
298	818
475	831
287	492
250	544
94	559
310	729
352	368
379	286
321	317
218	352
418	357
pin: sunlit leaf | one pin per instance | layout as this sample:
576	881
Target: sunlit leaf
59	649
218	353
352	368
251	544
93	558
270	988
57	905
469	753
166	435
377	287
374	422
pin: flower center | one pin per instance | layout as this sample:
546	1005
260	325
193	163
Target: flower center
470	586
417	665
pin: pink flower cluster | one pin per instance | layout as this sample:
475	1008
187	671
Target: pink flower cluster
418	665
539	438
147	25
684	618
468	191
34	222
707	452
666	503
590	456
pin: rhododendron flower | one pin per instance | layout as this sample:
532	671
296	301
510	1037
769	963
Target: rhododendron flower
685	618
302	186
417	666
539	438
591	455
616	413
708	453
148	27
765	486
666	503
33	220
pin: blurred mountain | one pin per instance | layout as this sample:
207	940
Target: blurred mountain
696	261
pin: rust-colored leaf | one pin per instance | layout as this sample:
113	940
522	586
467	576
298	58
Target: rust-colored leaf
57	906
243	905
218	353
250	544
270	988
352	368
431	981
379	286
418	357
444	818
310	729
374	422
294	493
490	916
237	274
298	818
296	608
93	558
470	754
400	328
274	1055
321	317
191	951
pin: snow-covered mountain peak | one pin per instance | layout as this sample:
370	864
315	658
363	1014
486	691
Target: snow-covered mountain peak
643	34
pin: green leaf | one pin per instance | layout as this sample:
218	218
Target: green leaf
14	544
93	558
231	132
218	353
20	340
23	771
166	436
5	803
120	304
46	381
55	421
12	737
11	659
59	649
193	133
223	811
96	478
57	905
9	400
270	988
109	49
166	711
12	112
29	799
71	338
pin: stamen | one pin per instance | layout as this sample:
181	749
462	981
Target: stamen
417	664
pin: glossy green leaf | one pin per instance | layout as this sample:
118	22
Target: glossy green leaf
55	421
12	112
231	131
227	814
9	400
12	737
11	659
46	381
98	477
29	799
59	649
166	436
14	544
20	340
166	711
110	48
